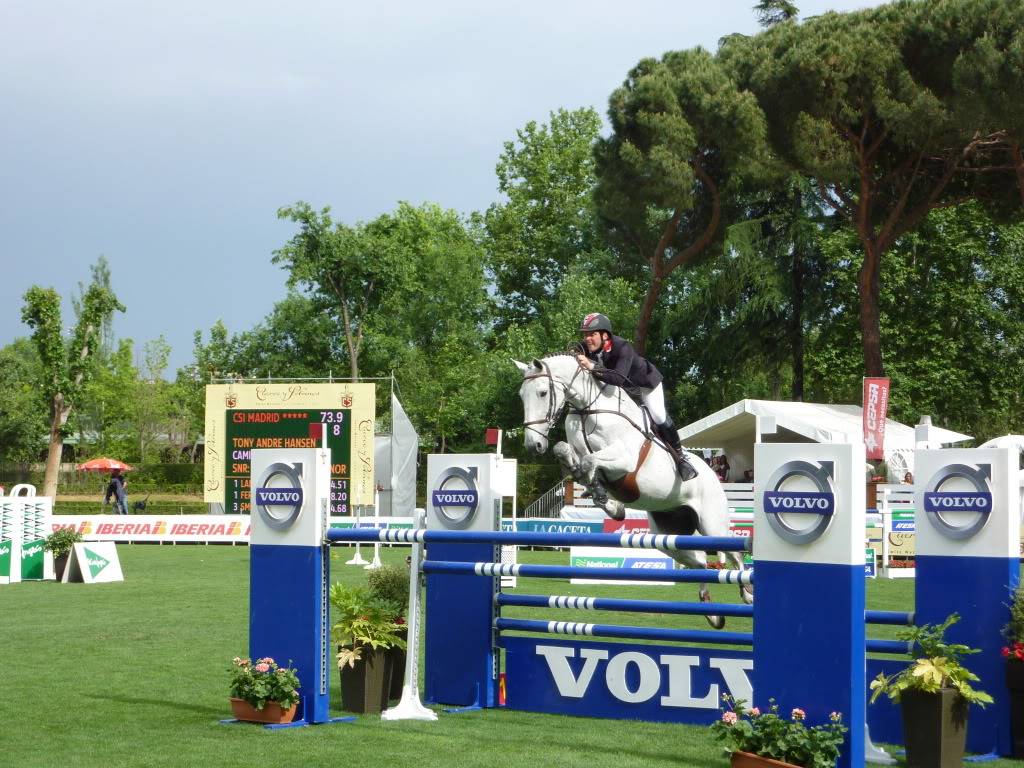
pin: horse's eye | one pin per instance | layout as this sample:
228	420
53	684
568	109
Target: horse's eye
543	393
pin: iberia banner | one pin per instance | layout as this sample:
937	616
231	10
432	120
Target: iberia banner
876	404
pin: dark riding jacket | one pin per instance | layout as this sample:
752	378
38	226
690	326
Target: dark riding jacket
623	367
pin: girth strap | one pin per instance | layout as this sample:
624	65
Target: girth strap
626	489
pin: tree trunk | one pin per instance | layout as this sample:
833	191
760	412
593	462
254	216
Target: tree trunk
643	325
796	327
59	416
870	326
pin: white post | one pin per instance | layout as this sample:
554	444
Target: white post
410	707
375	563
357	559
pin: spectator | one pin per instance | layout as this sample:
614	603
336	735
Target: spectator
116	489
909	478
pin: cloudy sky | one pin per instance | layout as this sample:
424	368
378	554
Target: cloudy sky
165	136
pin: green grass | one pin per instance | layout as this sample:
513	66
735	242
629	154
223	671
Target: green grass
135	674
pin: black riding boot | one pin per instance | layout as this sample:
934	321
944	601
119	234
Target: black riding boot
671	437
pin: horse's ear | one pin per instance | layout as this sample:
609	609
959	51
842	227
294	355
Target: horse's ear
537	364
523	367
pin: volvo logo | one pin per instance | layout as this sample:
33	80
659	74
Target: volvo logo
800	488
456	497
278	496
945	496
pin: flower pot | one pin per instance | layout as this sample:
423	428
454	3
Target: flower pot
396	658
1015	685
365	686
747	760
59	564
934	728
271	712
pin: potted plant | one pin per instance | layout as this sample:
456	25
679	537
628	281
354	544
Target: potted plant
934	693
391	584
262	691
1014	653
757	739
364	629
60	543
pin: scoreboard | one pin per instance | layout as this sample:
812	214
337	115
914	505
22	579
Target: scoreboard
244	417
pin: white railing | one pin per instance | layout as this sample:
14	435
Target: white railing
549	504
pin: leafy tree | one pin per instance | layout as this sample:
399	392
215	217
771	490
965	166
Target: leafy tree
108	397
66	364
548	218
22	408
876	107
339	264
952	312
772	12
681	131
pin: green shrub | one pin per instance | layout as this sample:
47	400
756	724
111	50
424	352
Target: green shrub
61	541
390	583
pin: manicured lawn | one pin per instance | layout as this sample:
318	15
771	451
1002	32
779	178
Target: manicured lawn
135	674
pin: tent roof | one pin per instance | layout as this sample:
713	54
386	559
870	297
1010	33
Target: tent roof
814	421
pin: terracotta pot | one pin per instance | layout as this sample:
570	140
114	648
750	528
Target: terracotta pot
747	760
934	728
1015	685
271	712
365	687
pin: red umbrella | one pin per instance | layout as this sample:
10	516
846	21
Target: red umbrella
103	465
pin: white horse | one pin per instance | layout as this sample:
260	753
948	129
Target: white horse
609	451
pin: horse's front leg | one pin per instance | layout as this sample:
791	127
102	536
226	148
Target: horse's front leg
613	461
568	461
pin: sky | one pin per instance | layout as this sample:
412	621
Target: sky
165	136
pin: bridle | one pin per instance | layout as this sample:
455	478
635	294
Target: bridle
555	412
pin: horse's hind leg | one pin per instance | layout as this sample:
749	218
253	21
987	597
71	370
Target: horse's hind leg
683	522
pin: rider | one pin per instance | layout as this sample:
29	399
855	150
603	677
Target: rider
612	360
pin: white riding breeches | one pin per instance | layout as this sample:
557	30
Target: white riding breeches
654	399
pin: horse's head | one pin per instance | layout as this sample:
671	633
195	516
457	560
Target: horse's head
541	404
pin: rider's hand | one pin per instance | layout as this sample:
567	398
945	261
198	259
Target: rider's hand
585	362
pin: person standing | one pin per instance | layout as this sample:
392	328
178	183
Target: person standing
613	360
116	490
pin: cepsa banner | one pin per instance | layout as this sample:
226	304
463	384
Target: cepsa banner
876	405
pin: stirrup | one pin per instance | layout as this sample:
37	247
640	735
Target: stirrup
685	469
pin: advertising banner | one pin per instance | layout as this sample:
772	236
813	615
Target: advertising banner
876	404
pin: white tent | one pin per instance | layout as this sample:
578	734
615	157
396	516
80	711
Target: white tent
736	428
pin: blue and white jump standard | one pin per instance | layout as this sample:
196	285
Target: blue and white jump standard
289	570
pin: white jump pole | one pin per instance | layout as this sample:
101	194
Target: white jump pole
375	563
357	559
410	707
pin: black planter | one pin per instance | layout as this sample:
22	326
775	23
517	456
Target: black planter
396	657
934	728
59	564
364	687
1015	686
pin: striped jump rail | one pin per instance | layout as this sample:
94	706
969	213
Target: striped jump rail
578	629
635	540
579	603
689	576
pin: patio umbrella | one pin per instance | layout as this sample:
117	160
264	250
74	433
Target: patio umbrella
103	465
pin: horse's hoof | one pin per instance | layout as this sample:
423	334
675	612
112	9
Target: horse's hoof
747	593
716	622
617	512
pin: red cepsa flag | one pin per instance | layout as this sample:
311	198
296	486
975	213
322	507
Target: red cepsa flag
876	405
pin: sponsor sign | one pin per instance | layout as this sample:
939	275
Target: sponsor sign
33	560
799	500
456	497
617	680
955	511
93	563
611	557
870	561
279	495
876	405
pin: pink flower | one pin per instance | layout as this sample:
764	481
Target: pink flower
835	717
798	714
262	667
729	717
754	712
